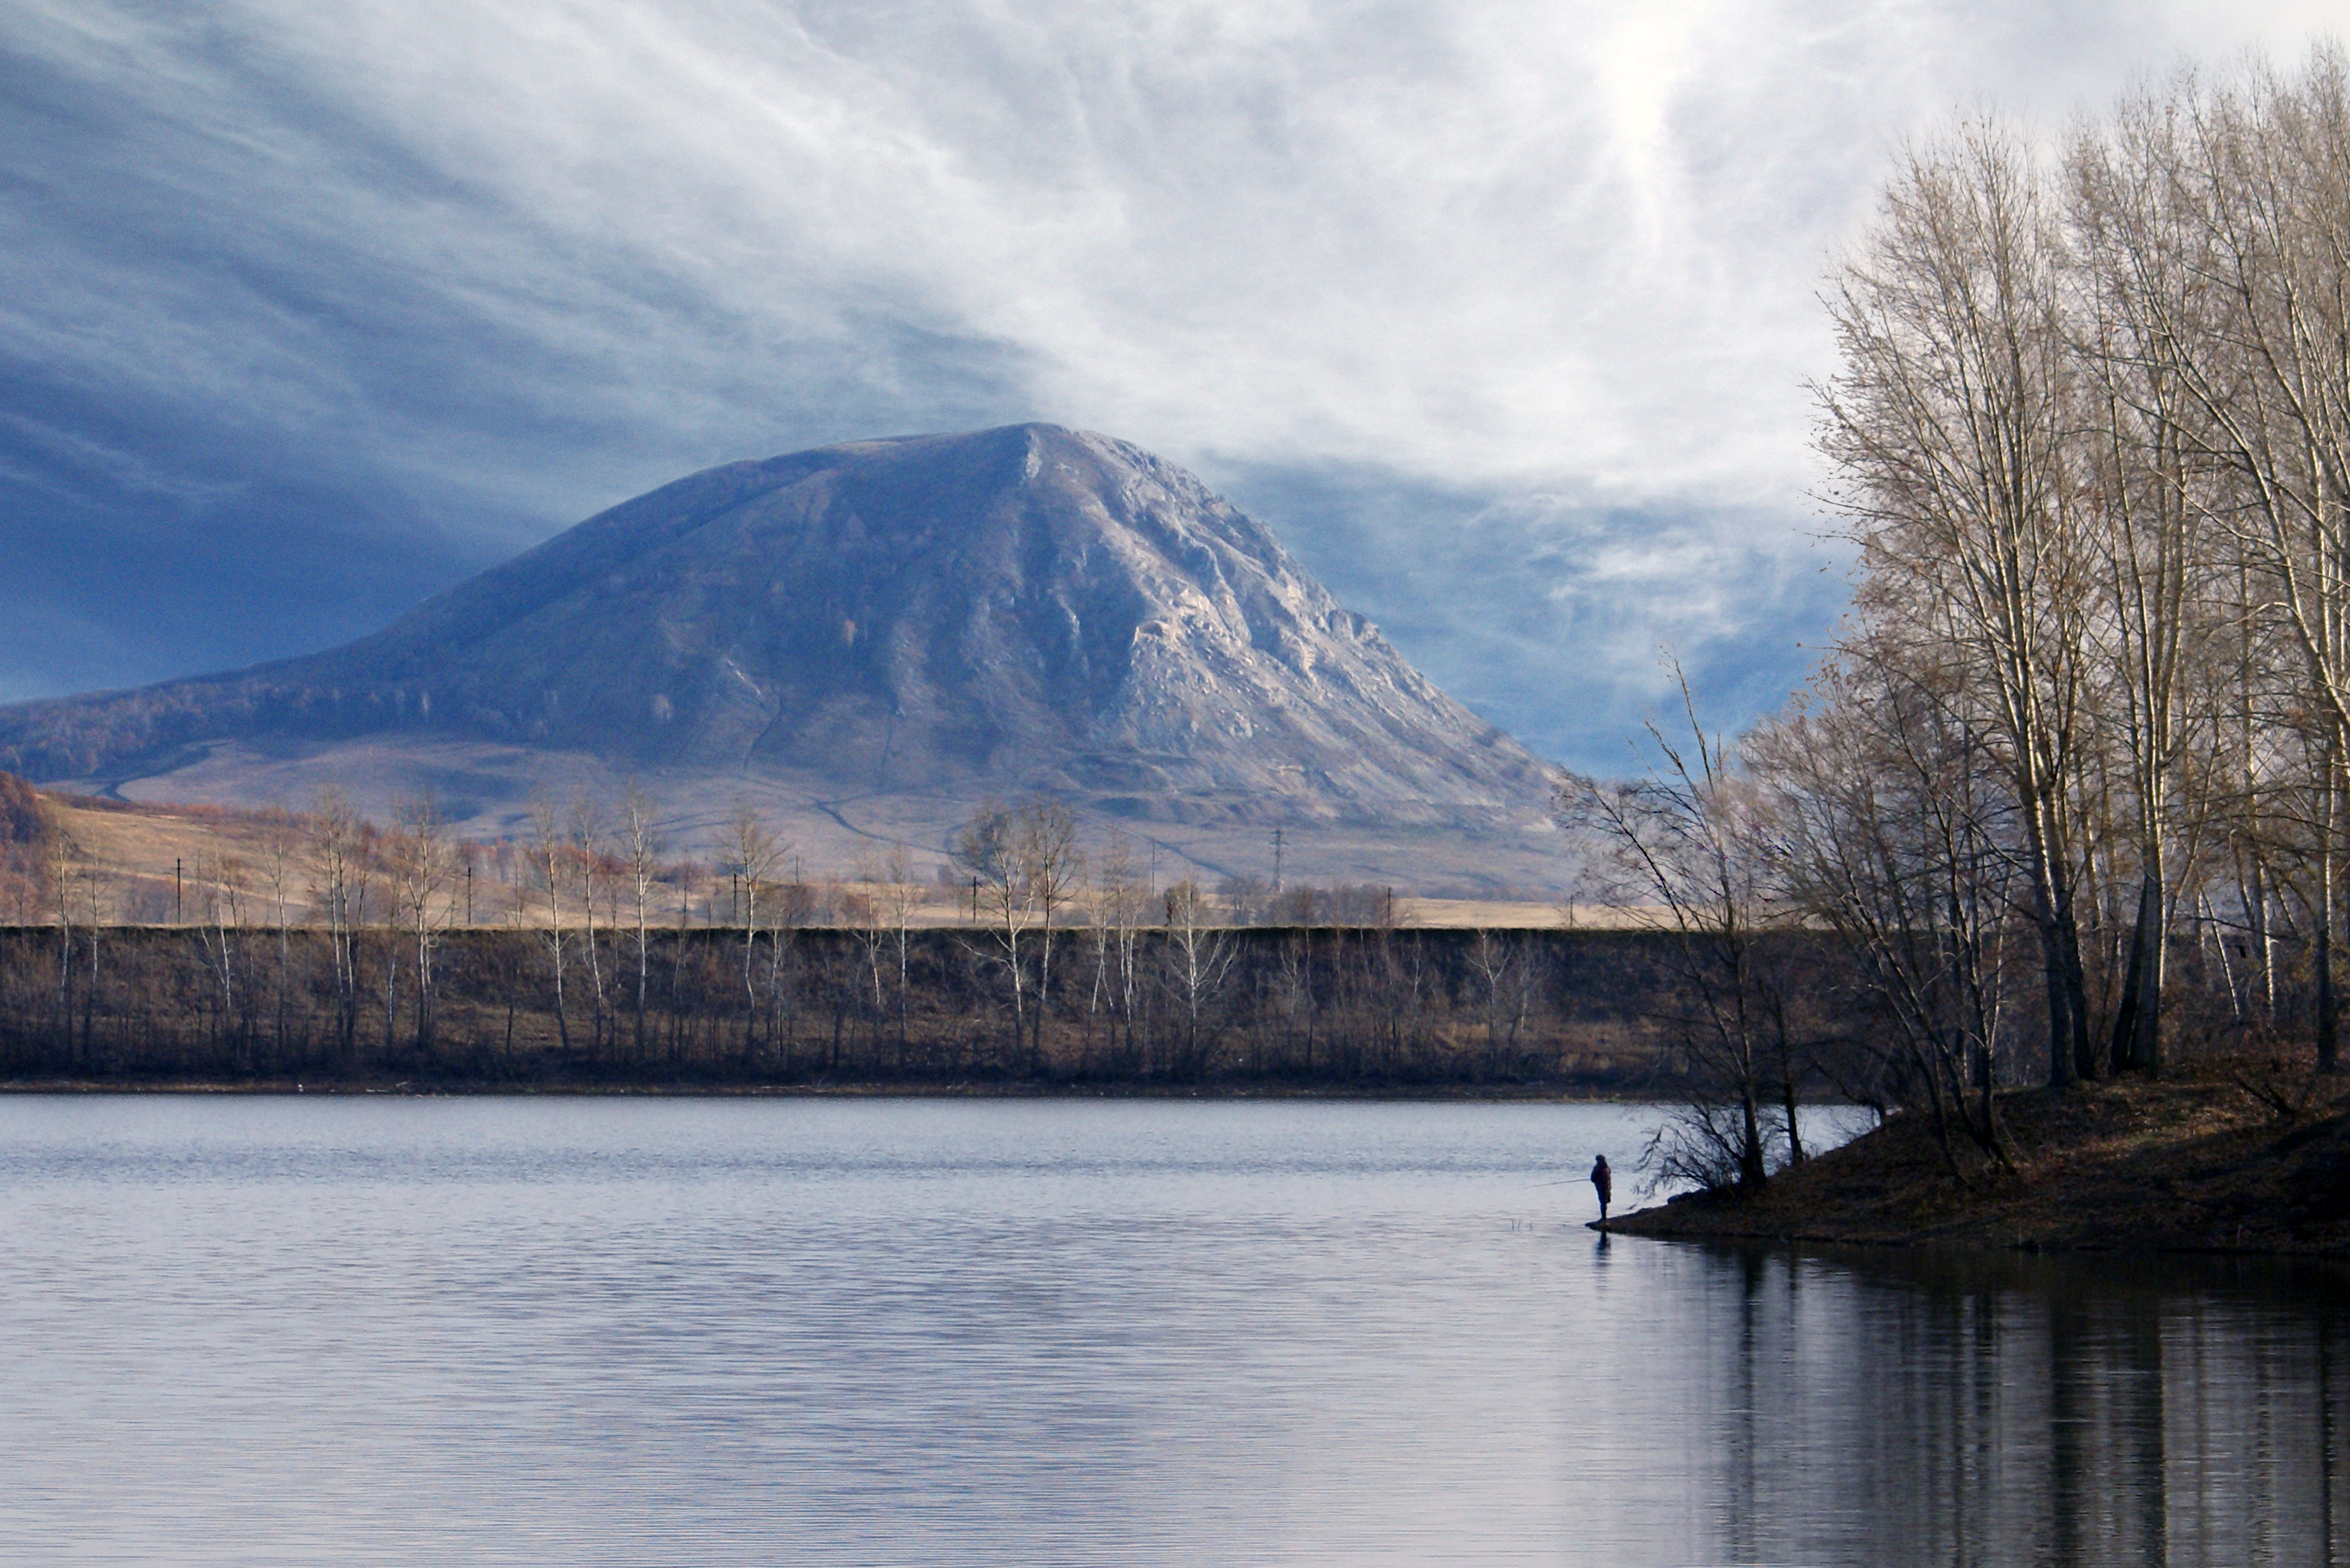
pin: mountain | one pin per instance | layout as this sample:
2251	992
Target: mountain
1028	607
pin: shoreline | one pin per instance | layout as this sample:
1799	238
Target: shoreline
289	1089
2232	1156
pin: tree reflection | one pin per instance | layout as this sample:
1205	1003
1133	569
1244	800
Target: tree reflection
1992	1409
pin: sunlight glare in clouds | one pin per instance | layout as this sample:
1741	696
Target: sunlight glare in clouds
1500	313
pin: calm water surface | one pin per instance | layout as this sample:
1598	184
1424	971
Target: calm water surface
411	1331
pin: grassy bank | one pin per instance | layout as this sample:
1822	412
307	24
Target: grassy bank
2242	1156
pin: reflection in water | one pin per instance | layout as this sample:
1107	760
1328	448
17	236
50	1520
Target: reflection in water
1887	1405
701	1332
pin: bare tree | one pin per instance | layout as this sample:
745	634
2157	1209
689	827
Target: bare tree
1119	901
860	910
1502	964
2234	205
281	848
61	859
588	835
640	848
1886	826
988	851
1052	868
900	897
2152	497
753	856
1198	960
420	862
1675	851
550	854
1953	430
222	906
335	851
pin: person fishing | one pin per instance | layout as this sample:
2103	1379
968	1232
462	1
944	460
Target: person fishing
1604	1181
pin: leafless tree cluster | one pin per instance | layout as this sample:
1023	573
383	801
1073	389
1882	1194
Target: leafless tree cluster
2074	774
1025	867
1367	1006
1684	849
323	945
1171	990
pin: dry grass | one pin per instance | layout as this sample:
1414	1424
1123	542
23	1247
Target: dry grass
1471	914
142	850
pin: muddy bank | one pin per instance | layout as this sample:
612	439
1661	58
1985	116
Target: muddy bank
2242	1157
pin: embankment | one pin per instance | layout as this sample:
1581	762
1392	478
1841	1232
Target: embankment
710	1008
2240	1155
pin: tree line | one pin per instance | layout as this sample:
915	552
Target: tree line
323	947
2068	790
846	1005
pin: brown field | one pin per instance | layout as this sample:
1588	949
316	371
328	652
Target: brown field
154	862
487	791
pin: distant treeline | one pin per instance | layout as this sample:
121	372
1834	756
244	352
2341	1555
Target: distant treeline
706	1007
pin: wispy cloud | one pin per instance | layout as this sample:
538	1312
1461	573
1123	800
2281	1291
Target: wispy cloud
1502	312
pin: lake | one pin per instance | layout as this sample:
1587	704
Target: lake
379	1330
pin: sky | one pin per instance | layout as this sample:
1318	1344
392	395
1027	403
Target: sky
1501	315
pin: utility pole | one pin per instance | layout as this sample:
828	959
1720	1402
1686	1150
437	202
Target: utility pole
175	890
1276	861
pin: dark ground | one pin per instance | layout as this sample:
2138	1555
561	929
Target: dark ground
2241	1155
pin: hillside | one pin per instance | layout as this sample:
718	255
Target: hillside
144	861
867	639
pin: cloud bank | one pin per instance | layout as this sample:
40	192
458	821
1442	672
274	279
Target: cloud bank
1501	315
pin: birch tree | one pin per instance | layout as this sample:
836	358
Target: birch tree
1045	840
335	848
988	851
1952	429
753	856
2142	288
421	861
1197	961
2255	177
640	848
549	855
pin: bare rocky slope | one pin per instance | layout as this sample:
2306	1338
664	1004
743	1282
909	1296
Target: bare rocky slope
932	616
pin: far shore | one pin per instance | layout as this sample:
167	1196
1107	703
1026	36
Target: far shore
1532	1094
2238	1154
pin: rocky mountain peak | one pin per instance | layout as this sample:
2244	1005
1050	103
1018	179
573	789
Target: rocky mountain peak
1022	608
